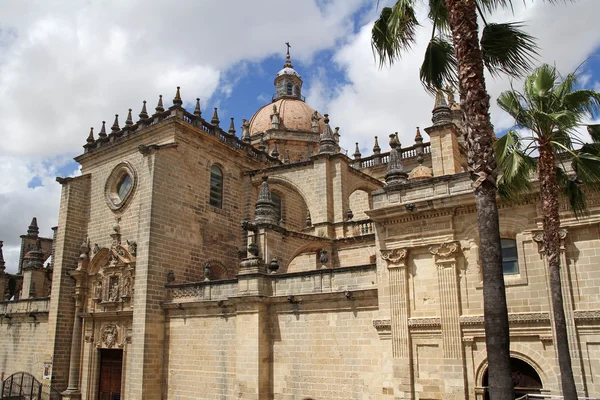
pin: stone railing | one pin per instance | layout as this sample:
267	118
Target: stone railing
384	158
203	291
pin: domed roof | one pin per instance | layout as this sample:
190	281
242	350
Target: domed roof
420	172
293	113
288	71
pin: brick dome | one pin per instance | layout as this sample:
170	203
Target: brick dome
295	115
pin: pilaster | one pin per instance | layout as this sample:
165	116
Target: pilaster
399	306
446	255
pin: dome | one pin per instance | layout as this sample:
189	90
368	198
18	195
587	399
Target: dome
288	71
295	115
420	172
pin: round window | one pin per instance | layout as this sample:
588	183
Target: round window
120	186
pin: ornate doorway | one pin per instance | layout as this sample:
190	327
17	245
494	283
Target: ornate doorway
111	369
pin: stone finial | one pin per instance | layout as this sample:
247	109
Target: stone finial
102	135
441	112
288	62
264	212
159	107
115	126
336	134
327	144
286	158
245	130
2	263
143	114
90	138
275	153
197	110
357	154
419	146
418	137
262	146
215	118
33	229
376	148
177	99
308	219
34	259
395	174
129	120
231	127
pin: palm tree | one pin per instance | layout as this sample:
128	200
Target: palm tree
551	109
503	48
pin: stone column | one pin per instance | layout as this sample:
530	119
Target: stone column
399	306
446	255
567	293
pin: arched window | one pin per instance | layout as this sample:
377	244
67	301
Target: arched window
276	199
216	187
510	261
290	87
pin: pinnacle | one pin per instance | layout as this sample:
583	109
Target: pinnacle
159	107
177	99
115	126
197	110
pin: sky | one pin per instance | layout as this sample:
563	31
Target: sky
66	66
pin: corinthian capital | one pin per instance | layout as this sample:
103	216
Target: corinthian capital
394	257
445	252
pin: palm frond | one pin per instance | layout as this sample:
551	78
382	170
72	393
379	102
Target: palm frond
510	101
508	49
594	131
587	167
572	191
438	14
439	65
492	5
567	85
393	32
585	102
539	83
515	167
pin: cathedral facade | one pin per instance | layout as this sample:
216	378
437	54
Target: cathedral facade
189	263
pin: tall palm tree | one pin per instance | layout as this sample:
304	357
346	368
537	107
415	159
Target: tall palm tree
551	109
503	48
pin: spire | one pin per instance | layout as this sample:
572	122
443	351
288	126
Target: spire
288	62
245	130
215	119
2	263
33	229
327	144
102	134
232	127
395	172
159	107
376	148
419	146
90	139
115	127
264	212
441	111
143	114
177	99
275	153
357	152
129	120
197	110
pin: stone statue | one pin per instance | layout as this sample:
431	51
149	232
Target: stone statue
127	287
114	291
98	290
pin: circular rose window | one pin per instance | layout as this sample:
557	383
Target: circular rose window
120	186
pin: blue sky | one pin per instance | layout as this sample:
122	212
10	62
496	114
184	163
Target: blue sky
69	65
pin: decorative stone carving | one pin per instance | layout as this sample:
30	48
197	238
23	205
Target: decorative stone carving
538	237
110	335
383	327
394	256
445	252
132	247
323	258
425	322
186	292
520	318
113	290
126	292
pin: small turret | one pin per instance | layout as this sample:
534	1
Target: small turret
327	144
441	112
33	229
264	212
395	171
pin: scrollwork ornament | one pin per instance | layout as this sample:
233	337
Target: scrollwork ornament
110	335
445	251
394	256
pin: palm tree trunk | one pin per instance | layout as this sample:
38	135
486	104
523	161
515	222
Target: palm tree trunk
551	224
482	164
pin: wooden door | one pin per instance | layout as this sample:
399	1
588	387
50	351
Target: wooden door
111	368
